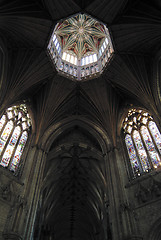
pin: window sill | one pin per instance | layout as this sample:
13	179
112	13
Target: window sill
9	174
143	177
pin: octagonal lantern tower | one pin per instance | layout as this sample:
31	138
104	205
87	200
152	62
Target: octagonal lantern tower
80	47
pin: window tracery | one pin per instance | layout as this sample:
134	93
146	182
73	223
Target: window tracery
143	141
14	129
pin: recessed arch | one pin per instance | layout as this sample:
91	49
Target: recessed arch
53	132
76	172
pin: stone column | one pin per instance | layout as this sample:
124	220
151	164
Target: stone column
126	212
121	213
33	190
20	221
113	195
19	204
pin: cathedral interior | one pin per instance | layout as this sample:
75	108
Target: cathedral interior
80	109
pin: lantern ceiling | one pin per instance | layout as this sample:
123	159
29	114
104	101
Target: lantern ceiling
80	46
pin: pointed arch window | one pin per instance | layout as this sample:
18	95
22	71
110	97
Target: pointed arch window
143	142
15	125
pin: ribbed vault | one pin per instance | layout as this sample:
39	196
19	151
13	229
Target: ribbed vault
75	173
74	187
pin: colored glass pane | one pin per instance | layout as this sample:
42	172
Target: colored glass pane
7	155
144	120
2	121
132	155
24	125
150	146
14	137
141	151
19	115
10	115
15	161
7	131
156	134
19	151
22	142
9	150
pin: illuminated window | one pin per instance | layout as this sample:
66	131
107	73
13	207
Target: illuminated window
143	141
14	129
72	60
94	57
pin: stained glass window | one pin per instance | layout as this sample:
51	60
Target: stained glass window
132	155
15	125
143	141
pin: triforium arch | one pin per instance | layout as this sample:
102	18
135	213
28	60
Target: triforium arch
75	170
53	132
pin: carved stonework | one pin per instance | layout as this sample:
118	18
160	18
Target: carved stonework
6	193
12	236
125	207
142	194
14	218
150	192
155	188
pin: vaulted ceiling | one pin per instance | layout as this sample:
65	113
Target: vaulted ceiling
131	78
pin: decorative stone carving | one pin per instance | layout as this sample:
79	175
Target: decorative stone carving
5	192
12	236
150	192
20	201
125	207
155	188
142	194
14	218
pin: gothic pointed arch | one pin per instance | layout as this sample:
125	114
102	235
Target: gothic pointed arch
15	126
75	171
143	142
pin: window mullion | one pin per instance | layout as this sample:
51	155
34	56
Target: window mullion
153	140
137	154
145	147
7	142
6	121
11	159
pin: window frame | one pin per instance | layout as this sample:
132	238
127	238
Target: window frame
124	133
17	122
